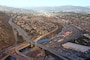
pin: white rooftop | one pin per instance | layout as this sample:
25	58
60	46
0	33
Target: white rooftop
76	47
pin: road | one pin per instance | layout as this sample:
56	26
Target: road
26	37
15	51
54	30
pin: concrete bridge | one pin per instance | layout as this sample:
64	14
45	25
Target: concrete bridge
15	50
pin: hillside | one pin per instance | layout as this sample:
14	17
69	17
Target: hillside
67	8
41	10
7	9
6	33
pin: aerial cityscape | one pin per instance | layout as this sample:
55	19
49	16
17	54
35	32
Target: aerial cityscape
44	32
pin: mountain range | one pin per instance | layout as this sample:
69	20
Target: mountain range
67	8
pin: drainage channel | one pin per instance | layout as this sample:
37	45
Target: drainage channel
25	49
10	58
47	39
43	40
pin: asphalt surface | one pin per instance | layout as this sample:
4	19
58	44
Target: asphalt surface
26	37
63	56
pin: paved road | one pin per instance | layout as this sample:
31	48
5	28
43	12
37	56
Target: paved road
76	33
15	50
54	30
26	37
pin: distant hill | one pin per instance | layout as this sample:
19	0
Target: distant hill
14	10
67	8
38	10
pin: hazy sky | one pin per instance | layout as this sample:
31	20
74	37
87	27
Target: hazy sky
38	3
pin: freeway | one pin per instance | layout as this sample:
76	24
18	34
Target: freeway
26	37
55	52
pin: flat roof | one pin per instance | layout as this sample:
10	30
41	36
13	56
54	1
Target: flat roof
76	47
